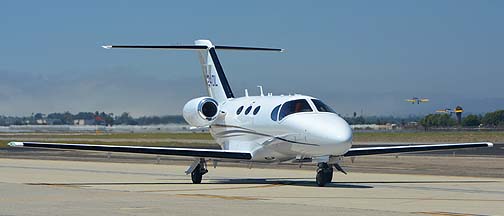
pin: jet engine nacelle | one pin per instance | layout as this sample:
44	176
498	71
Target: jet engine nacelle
201	112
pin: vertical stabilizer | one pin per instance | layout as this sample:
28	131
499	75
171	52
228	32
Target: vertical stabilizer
216	82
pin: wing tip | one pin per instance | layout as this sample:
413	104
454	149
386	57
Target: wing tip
15	144
489	144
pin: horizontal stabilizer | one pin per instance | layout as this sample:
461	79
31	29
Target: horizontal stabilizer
179	47
202	153
193	47
413	148
248	48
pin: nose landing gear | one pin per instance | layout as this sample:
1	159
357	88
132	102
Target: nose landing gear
324	174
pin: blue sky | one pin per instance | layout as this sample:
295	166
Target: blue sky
355	55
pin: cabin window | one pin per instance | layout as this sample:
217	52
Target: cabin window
322	107
274	113
256	110
239	110
248	110
295	106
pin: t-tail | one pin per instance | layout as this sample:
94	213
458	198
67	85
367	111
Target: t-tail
215	79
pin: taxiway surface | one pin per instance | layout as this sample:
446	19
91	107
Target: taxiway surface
57	187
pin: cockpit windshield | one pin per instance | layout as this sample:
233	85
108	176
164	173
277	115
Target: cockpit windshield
322	107
294	106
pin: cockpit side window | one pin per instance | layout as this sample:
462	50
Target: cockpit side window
274	113
322	107
294	106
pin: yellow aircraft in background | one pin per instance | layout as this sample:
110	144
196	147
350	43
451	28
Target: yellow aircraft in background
447	110
457	109
416	100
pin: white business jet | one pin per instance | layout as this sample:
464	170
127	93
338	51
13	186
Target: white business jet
258	129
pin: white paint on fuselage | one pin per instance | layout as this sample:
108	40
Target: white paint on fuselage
302	135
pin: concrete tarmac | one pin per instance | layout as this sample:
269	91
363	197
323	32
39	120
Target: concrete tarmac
56	187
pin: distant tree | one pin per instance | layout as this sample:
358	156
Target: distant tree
154	120
55	118
68	117
109	118
84	115
379	121
38	116
493	119
426	122
360	120
172	119
471	121
125	119
61	118
437	120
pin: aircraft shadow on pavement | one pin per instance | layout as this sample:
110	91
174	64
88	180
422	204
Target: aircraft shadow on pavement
257	181
287	181
267	181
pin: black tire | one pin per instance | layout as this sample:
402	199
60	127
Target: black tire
329	175
196	175
321	179
324	174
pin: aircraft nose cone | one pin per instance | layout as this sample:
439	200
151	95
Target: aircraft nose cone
331	133
322	128
325	128
334	130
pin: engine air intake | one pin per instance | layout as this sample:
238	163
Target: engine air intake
209	108
201	112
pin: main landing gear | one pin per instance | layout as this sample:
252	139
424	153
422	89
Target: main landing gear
197	170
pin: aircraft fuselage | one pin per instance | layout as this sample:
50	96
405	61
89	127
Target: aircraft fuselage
252	124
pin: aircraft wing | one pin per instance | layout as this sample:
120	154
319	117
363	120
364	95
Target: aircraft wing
412	148
206	153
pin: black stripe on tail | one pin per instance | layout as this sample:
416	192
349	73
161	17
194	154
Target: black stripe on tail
220	73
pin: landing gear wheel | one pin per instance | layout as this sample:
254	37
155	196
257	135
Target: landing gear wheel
329	176
199	171
320	179
196	175
324	174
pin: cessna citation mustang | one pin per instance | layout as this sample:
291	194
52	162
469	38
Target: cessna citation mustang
258	129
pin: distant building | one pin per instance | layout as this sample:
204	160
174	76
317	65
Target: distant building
41	121
412	124
387	126
84	122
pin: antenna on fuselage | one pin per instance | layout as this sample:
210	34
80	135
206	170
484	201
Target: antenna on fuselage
260	90
246	92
